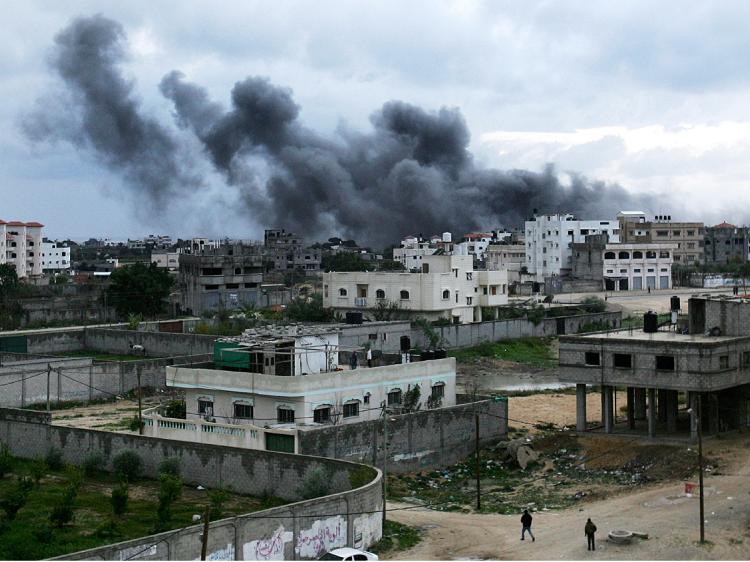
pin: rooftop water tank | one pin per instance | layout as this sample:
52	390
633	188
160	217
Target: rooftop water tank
447	237
650	322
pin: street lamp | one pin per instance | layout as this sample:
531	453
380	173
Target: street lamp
700	466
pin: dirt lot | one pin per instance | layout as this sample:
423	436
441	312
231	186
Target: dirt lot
558	408
662	510
111	416
638	302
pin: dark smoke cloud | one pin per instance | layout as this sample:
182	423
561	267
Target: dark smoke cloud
107	117
412	173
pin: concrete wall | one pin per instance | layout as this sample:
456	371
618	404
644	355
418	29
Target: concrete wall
420	441
155	343
381	336
54	341
301	530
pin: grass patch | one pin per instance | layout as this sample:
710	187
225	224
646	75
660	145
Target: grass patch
396	537
529	351
93	524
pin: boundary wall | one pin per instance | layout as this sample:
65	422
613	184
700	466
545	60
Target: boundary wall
302	530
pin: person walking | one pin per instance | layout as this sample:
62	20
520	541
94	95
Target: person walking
526	520
590	529
353	361
369	357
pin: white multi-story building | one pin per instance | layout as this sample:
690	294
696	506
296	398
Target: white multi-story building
448	287
549	239
414	248
638	266
166	260
55	257
21	247
476	243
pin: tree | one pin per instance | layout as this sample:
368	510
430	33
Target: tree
390	265
308	309
345	261
139	289
385	309
8	281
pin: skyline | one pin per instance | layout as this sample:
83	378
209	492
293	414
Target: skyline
568	85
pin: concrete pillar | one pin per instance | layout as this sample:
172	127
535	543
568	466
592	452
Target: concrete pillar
662	405
603	391
631	407
640	403
672	411
580	407
652	412
693	405
608	410
713	412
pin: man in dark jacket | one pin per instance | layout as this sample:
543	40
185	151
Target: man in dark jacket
526	524
590	530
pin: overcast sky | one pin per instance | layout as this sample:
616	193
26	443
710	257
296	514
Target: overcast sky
653	96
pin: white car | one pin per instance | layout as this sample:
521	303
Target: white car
348	554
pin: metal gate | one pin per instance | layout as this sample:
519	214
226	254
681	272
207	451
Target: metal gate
13	344
279	443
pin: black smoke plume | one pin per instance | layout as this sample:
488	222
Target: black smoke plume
412	173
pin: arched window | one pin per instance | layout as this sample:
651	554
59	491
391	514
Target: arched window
609	255
438	391
446	294
322	414
394	397
342	292
637	255
663	254
380	294
650	255
404	295
624	255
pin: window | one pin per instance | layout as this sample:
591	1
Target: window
624	255
243	411
690	233
592	358
380	294
637	255
322	415
662	233
446	294
232	286
238	271
205	407
675	233
284	415
351	409
609	255
650	255
366	398
342	292
255	286
468	300
724	362
663	254
637	270
746	358
211	287
469	275
394	397
623	360
404	295
325	291
372	337
665	362
438	391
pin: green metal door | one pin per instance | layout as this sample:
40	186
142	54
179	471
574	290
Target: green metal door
13	344
280	443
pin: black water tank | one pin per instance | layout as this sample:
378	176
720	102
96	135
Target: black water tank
441	353
674	303
650	322
414	356
405	344
428	355
353	317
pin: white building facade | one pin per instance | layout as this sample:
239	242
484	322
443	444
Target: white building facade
635	267
55	257
448	287
21	247
166	260
414	248
549	238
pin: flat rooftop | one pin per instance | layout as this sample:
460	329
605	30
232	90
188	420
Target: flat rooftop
660	336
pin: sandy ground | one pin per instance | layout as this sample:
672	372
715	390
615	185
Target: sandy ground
101	416
559	409
663	511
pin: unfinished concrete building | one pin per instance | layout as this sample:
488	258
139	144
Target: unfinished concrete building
673	376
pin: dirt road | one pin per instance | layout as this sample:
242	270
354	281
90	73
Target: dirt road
663	511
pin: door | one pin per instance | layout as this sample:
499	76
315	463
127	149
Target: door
279	443
13	344
623	285
560	326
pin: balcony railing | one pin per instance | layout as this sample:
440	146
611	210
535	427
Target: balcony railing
360	301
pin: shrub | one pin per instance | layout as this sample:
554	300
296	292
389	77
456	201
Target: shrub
135	424
108	530
535	314
218	498
26	483
93	464
38	469
170	465
43	533
54	459
593	304
119	499
13	500
170	488
316	483
62	513
6	460
175	409
127	465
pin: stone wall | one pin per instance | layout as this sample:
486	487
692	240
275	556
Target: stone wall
301	530
423	440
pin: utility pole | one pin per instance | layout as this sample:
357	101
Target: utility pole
204	536
140	409
476	447
700	468
49	372
385	456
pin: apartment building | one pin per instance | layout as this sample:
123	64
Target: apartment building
287	252
550	238
166	260
414	248
726	243
475	244
689	236
447	287
55	257
21	247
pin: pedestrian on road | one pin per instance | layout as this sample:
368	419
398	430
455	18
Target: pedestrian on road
369	357
526	519
590	530
649	290
353	361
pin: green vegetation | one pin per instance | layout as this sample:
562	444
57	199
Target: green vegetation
68	511
396	536
530	351
127	465
316	483
175	409
345	261
308	309
151	285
